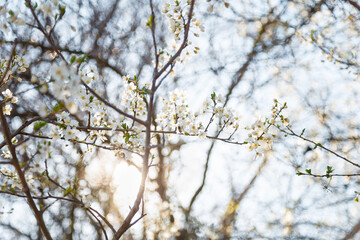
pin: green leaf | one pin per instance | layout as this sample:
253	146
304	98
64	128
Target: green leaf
82	59
39	124
11	13
213	95
67	191
127	137
312	35
308	171
62	126
58	107
150	22
300	173
302	132
62	10
329	169
73	59
356	199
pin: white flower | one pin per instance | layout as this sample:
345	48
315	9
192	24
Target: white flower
70	133
202	135
71	106
166	5
7	109
101	135
34	79
7	93
55	133
46	8
14	100
4	26
6	154
43	110
59	72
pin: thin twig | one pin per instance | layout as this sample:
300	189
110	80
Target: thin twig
292	133
3	79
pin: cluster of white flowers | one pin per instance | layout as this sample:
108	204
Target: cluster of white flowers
66	85
17	65
176	115
259	138
133	97
10	181
261	134
226	116
66	128
6	153
175	12
8	97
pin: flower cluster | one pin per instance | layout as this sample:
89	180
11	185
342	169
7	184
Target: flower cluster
225	116
18	64
8	97
176	115
261	134
10	181
176	14
68	89
66	128
7	70
6	153
66	85
133	97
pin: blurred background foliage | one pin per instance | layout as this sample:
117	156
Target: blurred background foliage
303	52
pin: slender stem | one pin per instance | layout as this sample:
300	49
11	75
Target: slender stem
3	79
112	106
292	133
42	29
